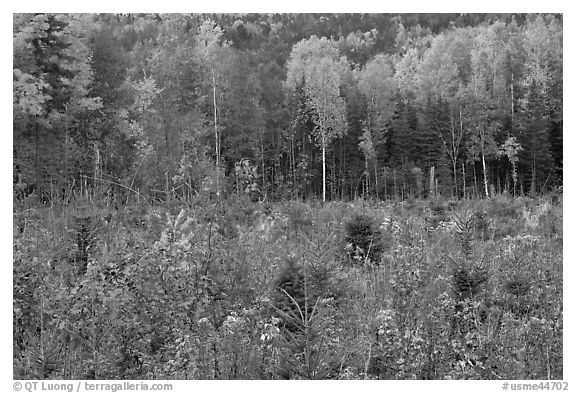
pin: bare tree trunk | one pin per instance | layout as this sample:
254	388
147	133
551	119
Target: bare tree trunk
216	136
455	157
455	169
512	99
333	184
366	180
323	169
385	184
376	177
37	142
308	185
263	165
484	165
485	176
403	180
66	143
167	135
432	183
533	185
294	185
97	166
475	180
342	185
461	135
395	188
514	178
463	182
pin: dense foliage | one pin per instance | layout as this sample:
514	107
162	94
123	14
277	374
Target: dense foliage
252	291
168	172
338	105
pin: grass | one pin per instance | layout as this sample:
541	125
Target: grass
464	290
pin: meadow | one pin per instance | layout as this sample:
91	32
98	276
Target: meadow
420	289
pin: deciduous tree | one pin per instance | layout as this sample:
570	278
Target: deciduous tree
316	63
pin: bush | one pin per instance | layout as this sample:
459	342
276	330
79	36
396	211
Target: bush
438	214
363	240
176	295
289	294
298	214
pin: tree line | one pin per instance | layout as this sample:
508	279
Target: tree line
331	106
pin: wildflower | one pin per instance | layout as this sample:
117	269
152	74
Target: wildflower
270	332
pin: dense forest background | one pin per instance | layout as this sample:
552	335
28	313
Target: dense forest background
286	105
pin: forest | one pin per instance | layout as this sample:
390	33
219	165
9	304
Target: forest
290	105
287	196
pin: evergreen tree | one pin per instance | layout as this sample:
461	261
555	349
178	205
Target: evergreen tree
52	100
536	162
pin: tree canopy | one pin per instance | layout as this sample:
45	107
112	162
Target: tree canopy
320	105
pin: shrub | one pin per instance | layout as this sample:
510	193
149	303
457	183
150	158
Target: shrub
298	214
517	286
289	288
174	295
363	240
550	223
467	282
304	321
438	214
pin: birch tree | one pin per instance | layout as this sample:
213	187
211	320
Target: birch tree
315	64
210	49
481	99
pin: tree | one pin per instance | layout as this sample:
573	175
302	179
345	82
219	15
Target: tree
481	99
539	106
442	75
510	149
241	115
535	157
52	75
367	147
211	51
315	63
376	81
412	91
298	131
279	136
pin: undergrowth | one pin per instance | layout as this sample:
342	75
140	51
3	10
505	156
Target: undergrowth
466	290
